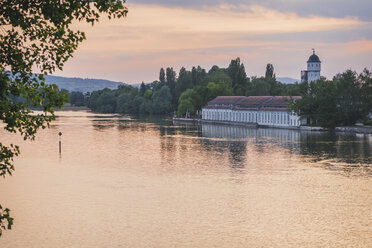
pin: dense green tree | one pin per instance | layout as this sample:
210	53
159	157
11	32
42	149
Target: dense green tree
184	82
186	106
276	88
198	74
124	103
189	101
213	69
107	102
258	87
365	81
342	101
148	94
77	98
217	89
200	95
156	85
268	86
236	71
136	104
92	102
128	100
269	71
37	34
146	107
171	78
143	88
354	98
162	76
87	96
126	89
162	100
219	76
318	103
189	94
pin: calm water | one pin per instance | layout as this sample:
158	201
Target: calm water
123	182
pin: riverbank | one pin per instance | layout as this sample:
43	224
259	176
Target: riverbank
367	129
73	108
198	121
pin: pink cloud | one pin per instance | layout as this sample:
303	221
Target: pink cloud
134	49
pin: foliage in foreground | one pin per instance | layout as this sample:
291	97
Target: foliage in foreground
37	34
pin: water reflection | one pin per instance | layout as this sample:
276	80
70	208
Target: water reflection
352	151
336	151
136	182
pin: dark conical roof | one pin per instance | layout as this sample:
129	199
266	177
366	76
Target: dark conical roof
313	59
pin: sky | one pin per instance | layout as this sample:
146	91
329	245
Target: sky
170	33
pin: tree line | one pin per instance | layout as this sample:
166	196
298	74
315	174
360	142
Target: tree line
342	101
186	92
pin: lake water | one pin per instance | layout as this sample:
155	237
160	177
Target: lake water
125	182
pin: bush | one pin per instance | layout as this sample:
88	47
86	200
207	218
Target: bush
367	122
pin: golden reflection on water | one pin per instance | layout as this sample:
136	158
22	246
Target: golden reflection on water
122	182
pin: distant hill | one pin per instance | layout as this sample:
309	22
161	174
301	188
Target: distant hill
90	84
138	85
287	80
82	84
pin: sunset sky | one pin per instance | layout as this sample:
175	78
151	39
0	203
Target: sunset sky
169	33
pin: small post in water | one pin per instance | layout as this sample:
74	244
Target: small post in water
60	144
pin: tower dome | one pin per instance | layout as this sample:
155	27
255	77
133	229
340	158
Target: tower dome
313	69
313	58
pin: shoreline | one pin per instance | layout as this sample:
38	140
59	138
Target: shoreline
73	108
198	121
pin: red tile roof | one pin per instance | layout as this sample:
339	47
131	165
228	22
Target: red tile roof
253	101
225	100
279	101
274	103
217	107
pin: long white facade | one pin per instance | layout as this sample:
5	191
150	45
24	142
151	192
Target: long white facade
267	118
265	111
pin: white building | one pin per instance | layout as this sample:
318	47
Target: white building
313	69
259	110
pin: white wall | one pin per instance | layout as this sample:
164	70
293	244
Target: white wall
313	73
269	118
